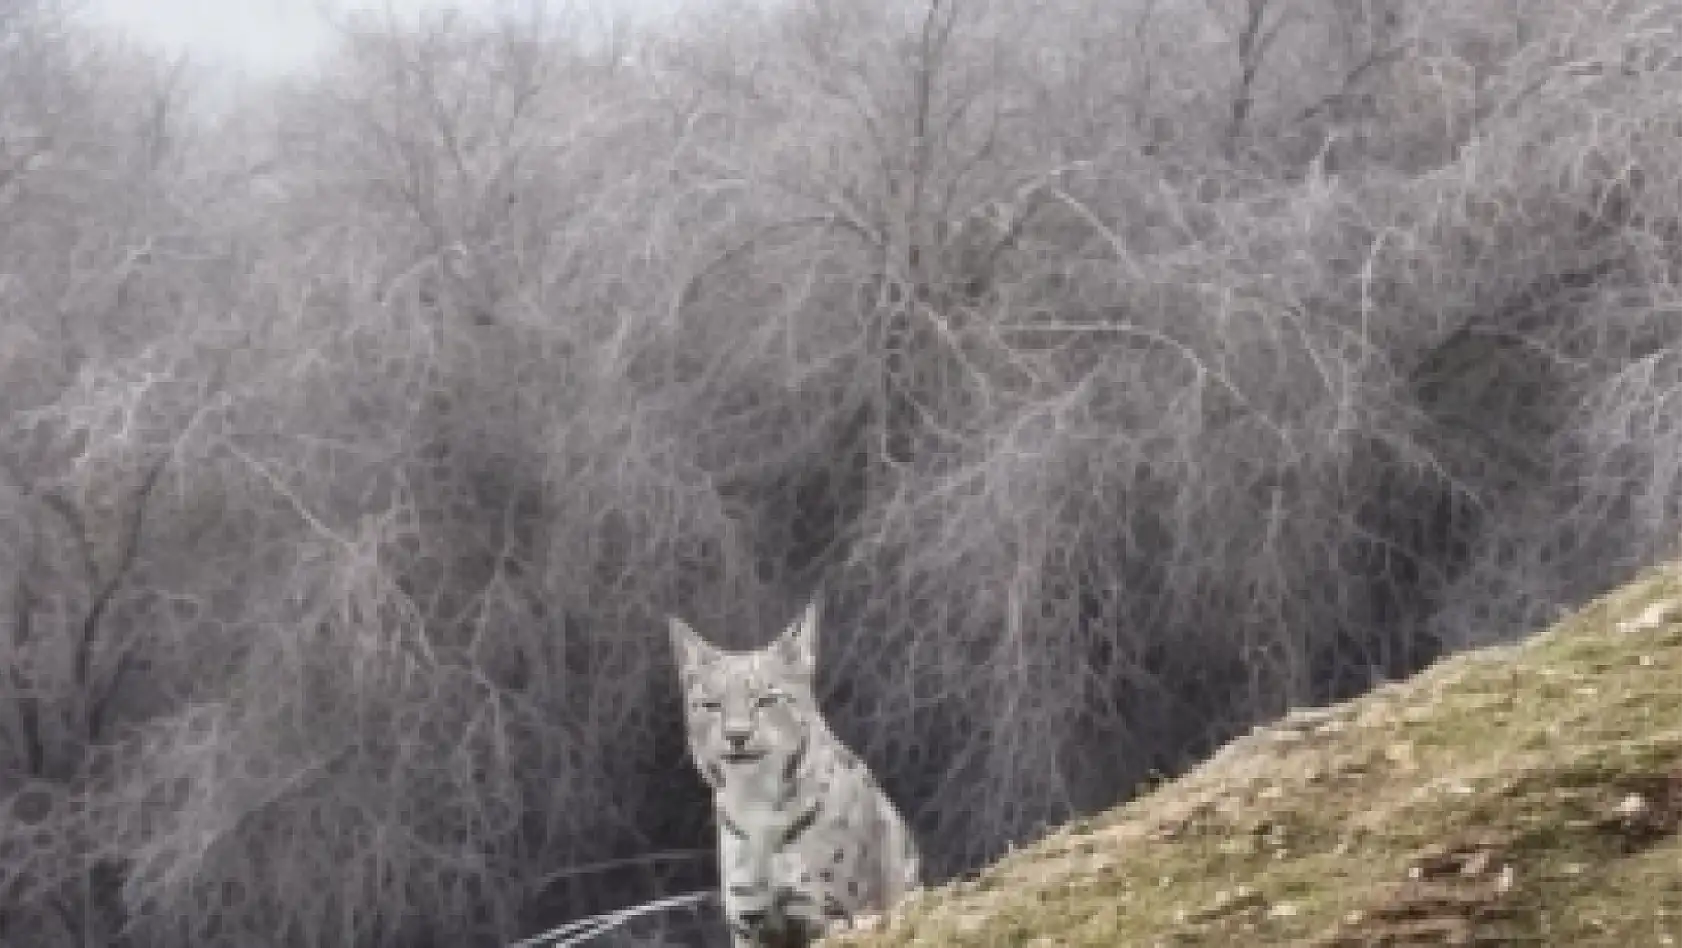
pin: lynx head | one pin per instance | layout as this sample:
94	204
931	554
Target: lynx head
747	709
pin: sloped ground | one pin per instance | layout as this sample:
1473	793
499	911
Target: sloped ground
1523	795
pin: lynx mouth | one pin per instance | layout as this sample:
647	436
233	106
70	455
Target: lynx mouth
743	757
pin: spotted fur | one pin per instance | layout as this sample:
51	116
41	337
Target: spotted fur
807	841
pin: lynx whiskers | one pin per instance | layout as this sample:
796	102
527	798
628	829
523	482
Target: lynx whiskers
807	841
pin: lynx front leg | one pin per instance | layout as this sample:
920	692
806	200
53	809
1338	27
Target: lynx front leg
745	884
741	937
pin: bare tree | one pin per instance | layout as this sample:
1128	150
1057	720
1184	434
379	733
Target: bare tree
1121	374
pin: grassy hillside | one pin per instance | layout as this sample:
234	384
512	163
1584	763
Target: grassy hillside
1525	795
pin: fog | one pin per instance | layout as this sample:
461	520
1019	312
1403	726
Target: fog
1116	374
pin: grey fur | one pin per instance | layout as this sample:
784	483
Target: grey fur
807	840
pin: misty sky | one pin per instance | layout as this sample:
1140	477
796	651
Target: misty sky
263	38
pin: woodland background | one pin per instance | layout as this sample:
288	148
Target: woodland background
1123	373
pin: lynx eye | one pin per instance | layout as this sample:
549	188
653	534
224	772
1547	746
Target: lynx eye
710	705
769	698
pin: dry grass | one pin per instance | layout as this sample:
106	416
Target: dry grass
1525	795
1125	373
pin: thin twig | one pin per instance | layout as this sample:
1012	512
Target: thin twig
584	929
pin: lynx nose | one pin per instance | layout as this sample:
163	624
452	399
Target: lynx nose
738	737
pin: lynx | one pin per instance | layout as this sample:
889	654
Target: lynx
807	841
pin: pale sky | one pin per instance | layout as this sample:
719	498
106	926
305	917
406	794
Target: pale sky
268	38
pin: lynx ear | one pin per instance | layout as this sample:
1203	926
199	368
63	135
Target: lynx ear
689	647
798	645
